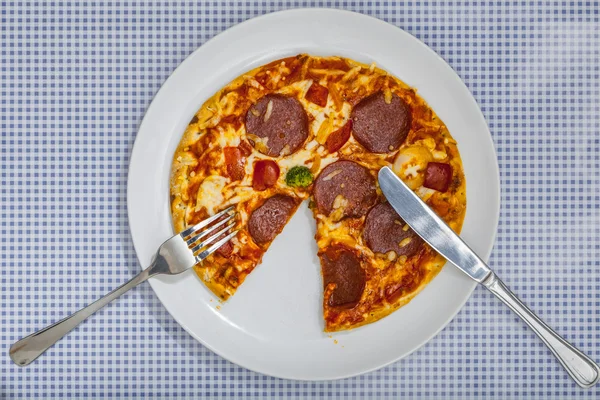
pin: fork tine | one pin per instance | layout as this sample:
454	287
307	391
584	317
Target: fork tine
194	238
205	222
215	246
211	239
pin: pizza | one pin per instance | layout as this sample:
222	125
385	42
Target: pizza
315	131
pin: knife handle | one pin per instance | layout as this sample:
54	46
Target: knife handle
581	368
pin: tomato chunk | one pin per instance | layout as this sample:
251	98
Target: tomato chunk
266	173
245	147
337	139
317	94
234	160
438	176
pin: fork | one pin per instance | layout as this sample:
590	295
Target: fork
176	255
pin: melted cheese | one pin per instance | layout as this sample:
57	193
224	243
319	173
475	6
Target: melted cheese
302	157
410	164
425	193
210	194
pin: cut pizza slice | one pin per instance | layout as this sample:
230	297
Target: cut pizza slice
319	129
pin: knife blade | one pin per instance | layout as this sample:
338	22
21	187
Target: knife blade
431	228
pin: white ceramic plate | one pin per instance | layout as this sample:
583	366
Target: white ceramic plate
273	324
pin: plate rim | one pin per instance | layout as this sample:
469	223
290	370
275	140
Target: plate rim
262	19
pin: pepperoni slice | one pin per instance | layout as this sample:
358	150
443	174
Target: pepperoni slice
381	127
226	249
277	125
338	138
269	219
341	267
266	173
346	185
234	160
438	176
385	231
317	94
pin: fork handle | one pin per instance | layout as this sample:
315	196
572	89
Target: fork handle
31	347
580	367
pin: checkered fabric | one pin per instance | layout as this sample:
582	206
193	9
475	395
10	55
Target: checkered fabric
75	80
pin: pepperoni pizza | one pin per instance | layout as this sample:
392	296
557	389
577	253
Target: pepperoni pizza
319	129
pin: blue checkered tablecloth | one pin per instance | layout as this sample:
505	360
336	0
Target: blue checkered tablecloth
75	80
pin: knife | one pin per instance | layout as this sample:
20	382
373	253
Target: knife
433	230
